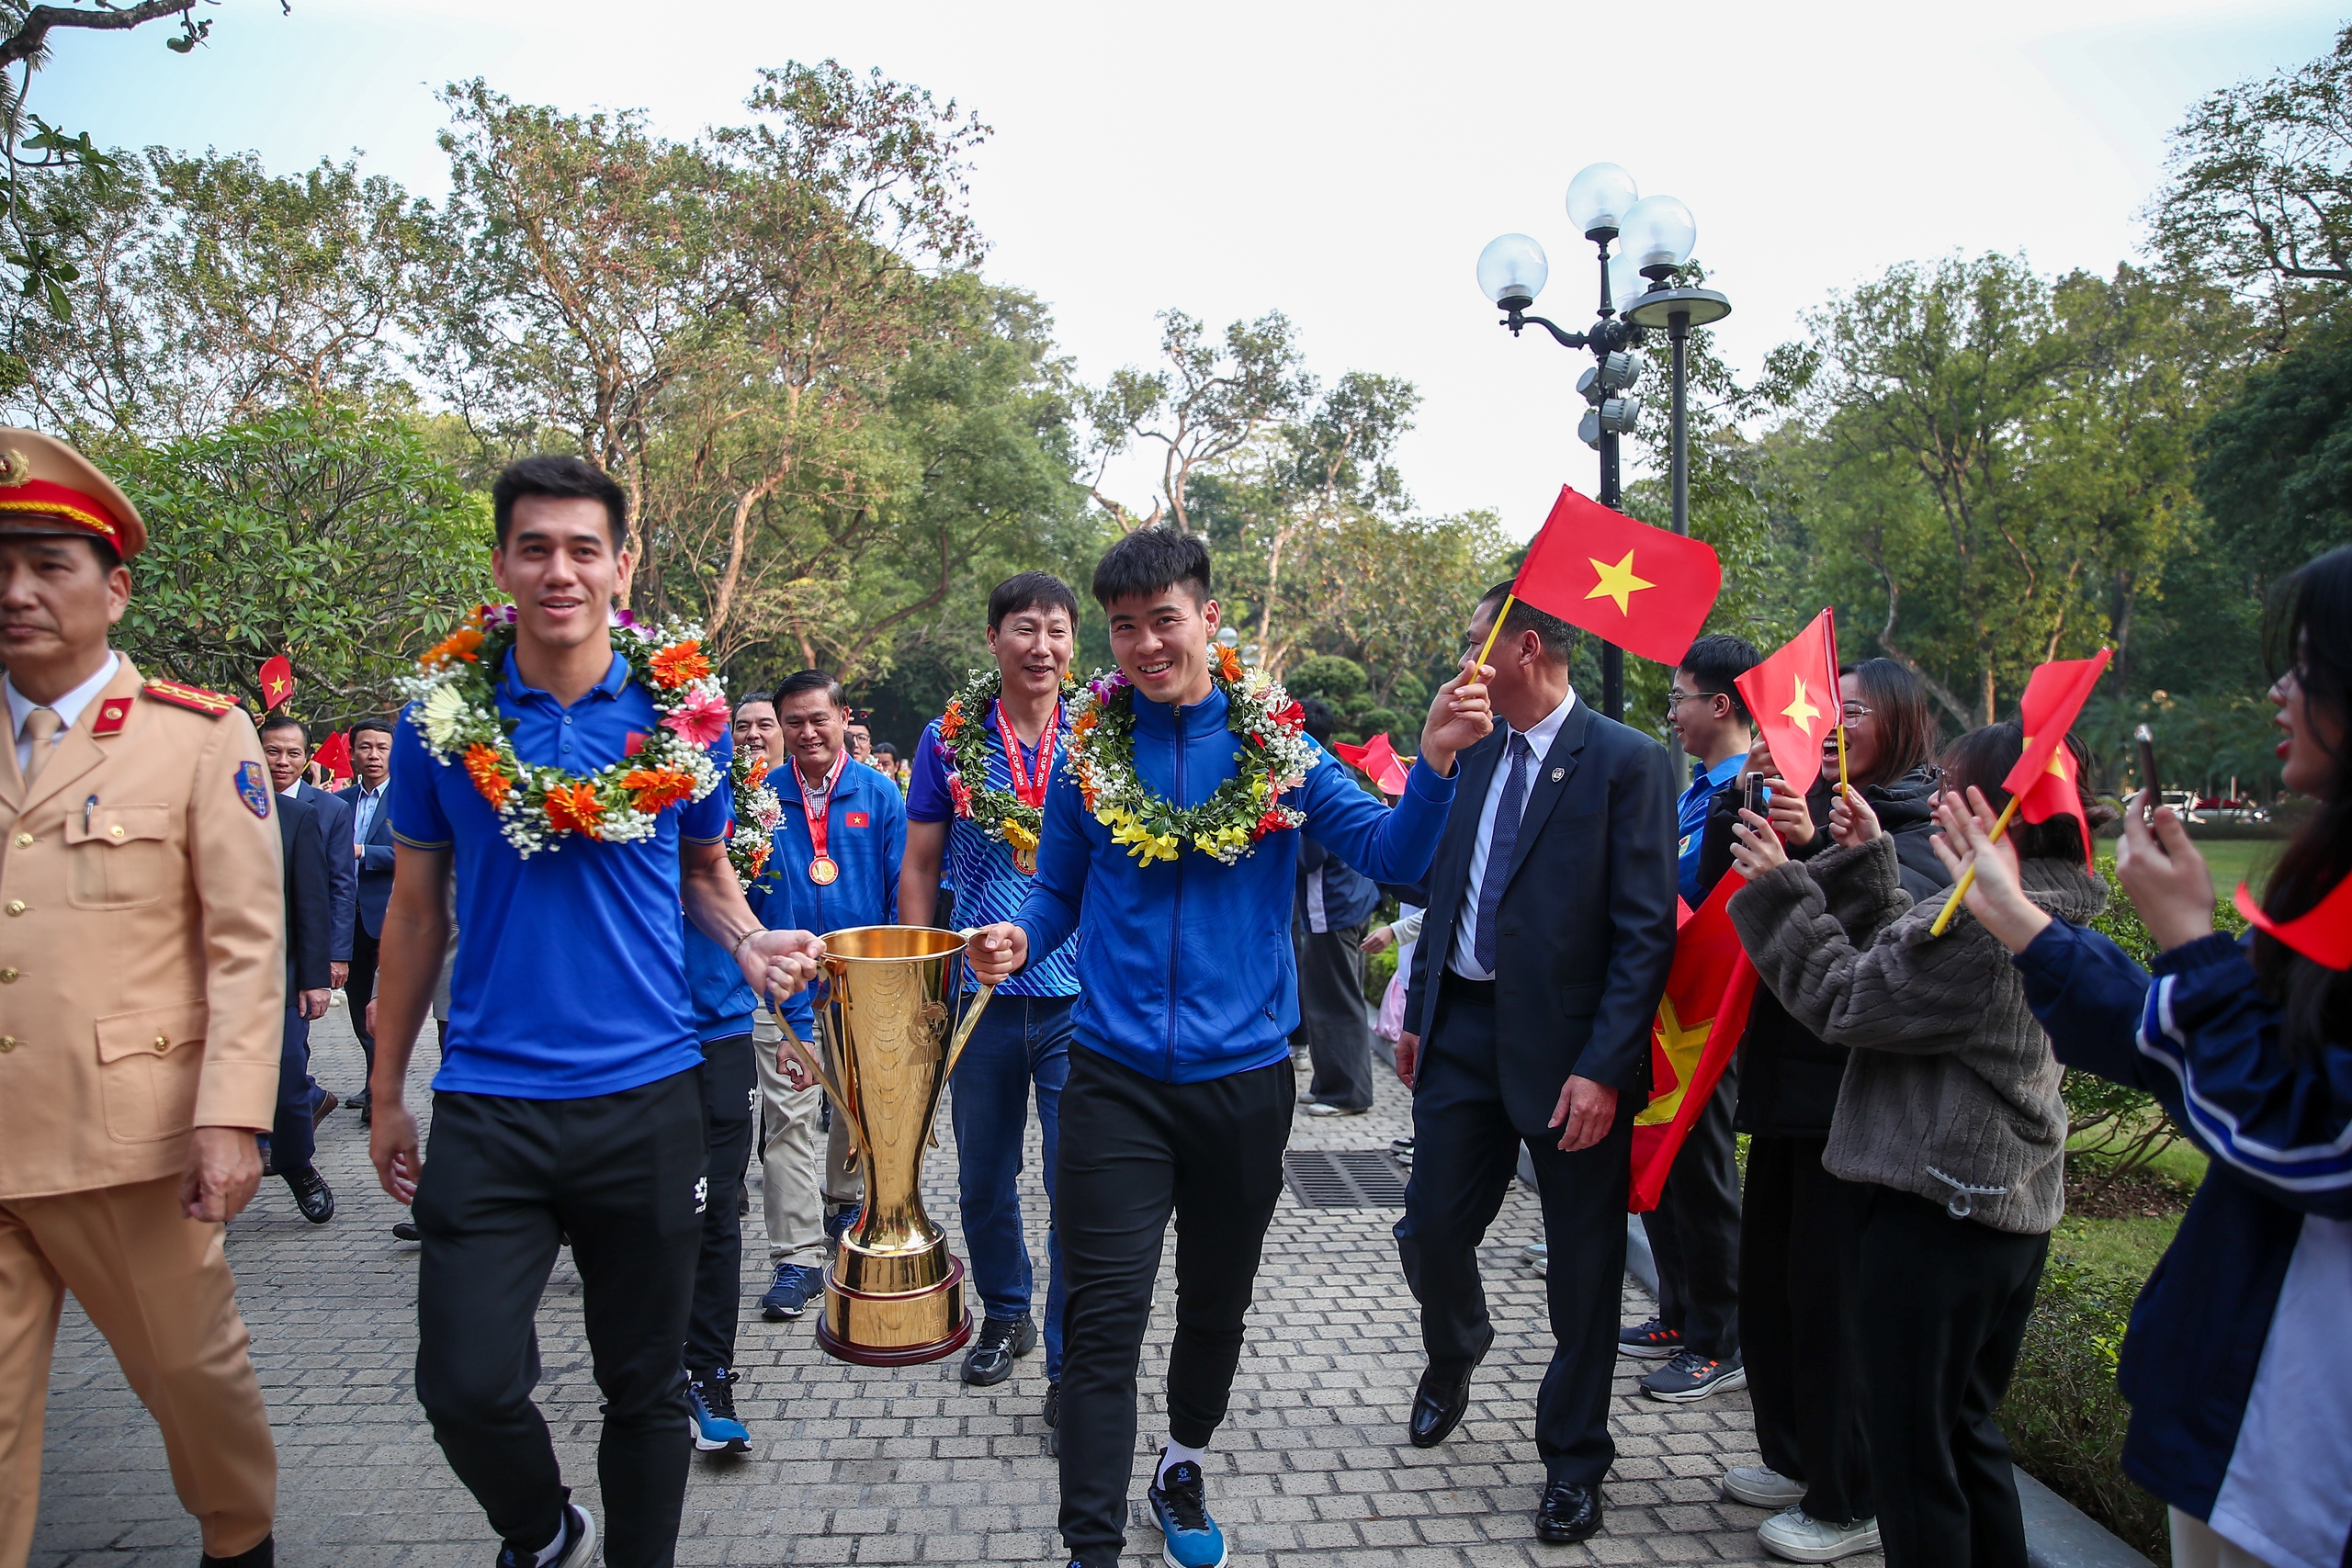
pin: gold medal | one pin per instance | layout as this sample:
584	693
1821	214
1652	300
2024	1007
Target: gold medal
823	872
1025	861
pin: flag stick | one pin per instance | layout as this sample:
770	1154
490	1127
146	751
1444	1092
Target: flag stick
1842	788
1496	630
1960	889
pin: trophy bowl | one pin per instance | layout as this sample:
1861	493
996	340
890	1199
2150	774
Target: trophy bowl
890	1031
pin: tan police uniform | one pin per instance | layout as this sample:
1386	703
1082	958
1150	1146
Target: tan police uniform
141	995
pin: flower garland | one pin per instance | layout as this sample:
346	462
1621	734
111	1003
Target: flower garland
1227	827
455	696
964	732
757	812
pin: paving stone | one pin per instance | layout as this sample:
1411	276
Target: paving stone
855	1465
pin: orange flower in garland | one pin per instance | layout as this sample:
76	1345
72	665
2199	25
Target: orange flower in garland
951	721
481	766
574	809
458	644
1228	663
757	774
679	663
653	788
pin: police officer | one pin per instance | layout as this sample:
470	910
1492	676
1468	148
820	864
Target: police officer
142	991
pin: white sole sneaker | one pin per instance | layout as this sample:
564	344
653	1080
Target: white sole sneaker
1735	1377
1811	1541
1761	1487
583	1551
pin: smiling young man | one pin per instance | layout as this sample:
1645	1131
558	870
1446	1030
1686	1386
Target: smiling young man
371	855
305	838
1024	1037
1180	1093
570	1097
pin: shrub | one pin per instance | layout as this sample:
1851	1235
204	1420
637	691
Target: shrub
2064	1419
1337	680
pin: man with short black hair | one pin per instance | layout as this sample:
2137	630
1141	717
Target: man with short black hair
307	827
835	864
371	850
1003	756
570	1098
1181	1094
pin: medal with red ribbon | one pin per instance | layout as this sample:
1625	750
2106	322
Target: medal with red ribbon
824	871
1026	790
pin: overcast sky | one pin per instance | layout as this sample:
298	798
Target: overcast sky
1341	163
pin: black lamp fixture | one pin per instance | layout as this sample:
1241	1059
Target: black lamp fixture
1652	237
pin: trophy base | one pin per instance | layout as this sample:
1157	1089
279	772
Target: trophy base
898	1330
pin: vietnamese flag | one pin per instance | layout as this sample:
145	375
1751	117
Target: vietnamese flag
2043	781
1793	698
1699	1024
334	755
276	682
1378	761
2321	933
1647	590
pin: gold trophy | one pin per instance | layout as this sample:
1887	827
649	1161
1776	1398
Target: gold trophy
894	1294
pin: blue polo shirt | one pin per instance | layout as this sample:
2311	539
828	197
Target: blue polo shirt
722	998
1690	812
989	886
865	835
570	978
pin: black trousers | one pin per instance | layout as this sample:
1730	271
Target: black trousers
503	1177
1694	1232
1465	1153
1133	1151
1334	1022
1943	1310
1800	1259
358	987
731	1098
293	1140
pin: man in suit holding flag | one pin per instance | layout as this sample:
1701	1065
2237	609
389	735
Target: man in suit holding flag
1551	903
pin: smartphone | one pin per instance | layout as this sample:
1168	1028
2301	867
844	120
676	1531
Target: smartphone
2146	739
1751	793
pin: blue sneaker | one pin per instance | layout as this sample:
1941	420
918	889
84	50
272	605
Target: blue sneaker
1189	1538
794	1288
576	1546
712	1399
839	1225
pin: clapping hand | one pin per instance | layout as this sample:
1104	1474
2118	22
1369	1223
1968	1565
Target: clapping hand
1461	715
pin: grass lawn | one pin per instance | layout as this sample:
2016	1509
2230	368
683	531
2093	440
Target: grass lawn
2126	1248
2239	859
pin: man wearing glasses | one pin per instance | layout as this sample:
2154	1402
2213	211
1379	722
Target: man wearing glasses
1704	711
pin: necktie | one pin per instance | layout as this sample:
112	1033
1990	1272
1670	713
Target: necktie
1499	847
40	729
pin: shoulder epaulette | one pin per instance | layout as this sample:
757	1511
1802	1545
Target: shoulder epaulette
186	696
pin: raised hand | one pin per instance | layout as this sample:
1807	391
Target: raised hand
2167	879
1995	898
1852	820
1461	715
1755	850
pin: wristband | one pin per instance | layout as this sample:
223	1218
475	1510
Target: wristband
736	950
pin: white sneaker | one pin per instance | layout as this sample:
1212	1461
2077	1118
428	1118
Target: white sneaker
1799	1536
1761	1486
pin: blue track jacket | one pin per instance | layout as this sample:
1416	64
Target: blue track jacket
1186	967
2263	1248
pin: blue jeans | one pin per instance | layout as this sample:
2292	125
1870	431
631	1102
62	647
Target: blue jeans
1018	1040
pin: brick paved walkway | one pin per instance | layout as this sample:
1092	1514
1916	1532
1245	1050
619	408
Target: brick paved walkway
858	1465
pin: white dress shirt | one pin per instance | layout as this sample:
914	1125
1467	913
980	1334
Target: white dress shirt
1464	959
67	708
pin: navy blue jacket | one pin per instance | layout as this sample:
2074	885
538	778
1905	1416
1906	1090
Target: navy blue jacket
1585	931
1186	966
2199	1036
309	897
865	836
375	866
1335	896
343	871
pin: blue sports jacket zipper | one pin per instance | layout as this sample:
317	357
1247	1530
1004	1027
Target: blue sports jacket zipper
1176	925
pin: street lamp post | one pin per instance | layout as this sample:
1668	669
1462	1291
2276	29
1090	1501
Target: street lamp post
1655	237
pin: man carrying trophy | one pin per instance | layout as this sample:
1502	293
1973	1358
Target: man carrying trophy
1173	835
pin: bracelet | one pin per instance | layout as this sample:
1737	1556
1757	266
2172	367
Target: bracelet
740	941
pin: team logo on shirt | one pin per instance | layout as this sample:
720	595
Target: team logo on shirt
856	819
253	788
701	1193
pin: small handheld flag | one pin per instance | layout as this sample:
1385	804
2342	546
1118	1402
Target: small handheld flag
1793	697
2054	699
1376	759
334	755
276	682
1647	590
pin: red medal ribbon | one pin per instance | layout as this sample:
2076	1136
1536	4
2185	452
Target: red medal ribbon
1028	790
817	806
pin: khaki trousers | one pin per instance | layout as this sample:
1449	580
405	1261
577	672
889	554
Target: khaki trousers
157	1285
795	1193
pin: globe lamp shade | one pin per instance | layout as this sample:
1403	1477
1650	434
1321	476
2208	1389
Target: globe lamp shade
1658	235
1599	198
1626	279
1512	271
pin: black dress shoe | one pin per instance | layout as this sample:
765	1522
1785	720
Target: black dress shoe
311	1195
1441	1400
1567	1514
404	1230
991	1355
264	1555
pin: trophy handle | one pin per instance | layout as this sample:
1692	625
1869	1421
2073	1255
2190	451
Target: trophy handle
809	1062
964	1029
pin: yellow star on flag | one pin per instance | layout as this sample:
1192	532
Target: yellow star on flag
1803	712
1683	1048
2057	760
1617	582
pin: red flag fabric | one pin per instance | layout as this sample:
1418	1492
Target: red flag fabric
334	755
1378	761
1699	1024
1647	590
2043	780
276	682
1793	698
2323	934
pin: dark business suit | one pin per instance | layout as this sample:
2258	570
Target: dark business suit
374	869
1584	938
343	875
308	932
